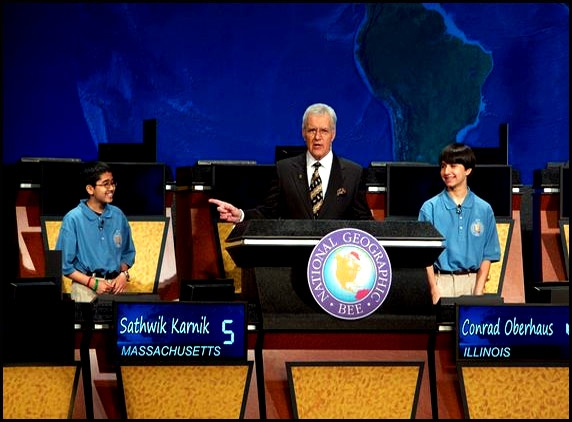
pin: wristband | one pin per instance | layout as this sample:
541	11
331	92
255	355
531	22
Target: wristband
126	273
96	284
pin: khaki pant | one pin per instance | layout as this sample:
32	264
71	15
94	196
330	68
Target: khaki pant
82	293
451	285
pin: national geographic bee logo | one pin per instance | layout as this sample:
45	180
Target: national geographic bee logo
349	273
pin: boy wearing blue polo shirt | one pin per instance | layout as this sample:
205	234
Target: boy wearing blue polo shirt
467	223
95	239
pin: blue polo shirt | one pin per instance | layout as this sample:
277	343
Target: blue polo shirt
95	243
470	232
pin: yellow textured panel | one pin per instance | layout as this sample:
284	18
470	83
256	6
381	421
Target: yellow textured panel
230	268
566	234
184	392
148	241
495	272
355	392
38	392
52	228
517	392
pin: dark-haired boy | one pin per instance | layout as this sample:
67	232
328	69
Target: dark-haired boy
467	223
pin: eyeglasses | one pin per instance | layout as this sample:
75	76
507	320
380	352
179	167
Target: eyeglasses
313	132
107	184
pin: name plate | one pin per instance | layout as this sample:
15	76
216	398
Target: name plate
180	332
513	332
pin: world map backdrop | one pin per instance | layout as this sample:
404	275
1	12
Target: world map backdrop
231	81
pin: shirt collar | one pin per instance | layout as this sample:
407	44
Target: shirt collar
326	161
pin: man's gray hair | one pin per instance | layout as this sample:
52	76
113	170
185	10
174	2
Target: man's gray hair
320	108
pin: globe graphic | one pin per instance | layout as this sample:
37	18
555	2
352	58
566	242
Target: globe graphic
347	271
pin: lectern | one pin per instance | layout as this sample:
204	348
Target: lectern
271	243
279	250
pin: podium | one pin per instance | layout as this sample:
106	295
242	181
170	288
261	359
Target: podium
278	251
277	243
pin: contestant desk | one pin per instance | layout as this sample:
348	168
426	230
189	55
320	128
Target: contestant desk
278	250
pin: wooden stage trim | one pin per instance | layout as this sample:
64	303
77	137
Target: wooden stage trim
550	242
513	281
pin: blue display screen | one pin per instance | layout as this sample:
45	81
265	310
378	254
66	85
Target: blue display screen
179	332
513	332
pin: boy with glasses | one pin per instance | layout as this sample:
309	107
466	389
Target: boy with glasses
95	239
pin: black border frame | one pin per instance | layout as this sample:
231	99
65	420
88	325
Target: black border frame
517	362
154	362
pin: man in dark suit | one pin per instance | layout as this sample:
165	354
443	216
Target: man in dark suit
337	191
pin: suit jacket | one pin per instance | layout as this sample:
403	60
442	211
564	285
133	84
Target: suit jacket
289	196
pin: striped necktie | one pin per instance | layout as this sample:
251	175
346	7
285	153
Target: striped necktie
316	194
